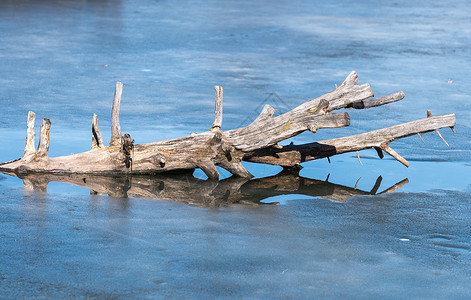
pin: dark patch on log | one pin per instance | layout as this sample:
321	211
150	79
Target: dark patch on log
159	159
127	148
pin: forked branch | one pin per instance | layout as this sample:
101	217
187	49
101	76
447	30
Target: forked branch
293	155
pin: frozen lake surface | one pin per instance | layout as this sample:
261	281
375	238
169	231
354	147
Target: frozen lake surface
61	59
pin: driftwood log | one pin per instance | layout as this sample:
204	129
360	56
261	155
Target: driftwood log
257	142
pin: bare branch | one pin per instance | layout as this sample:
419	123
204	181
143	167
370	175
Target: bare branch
390	151
43	147
295	154
218	108
115	127
29	148
372	102
97	139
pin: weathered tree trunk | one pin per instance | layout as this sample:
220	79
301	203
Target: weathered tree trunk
257	142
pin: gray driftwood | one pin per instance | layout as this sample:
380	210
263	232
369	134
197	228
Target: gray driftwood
257	142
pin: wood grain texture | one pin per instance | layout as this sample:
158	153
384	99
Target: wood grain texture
43	146
97	139
115	127
29	148
218	108
295	154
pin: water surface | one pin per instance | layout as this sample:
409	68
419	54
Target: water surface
61	59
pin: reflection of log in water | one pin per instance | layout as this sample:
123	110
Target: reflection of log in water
190	190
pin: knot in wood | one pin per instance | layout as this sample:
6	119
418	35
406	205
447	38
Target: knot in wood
159	159
227	150
320	108
21	171
217	138
312	127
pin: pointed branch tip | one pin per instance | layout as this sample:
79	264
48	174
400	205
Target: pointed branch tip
390	151
439	134
356	184
358	156
418	133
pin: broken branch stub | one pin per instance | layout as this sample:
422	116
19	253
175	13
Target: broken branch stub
115	127
29	148
257	142
97	139
218	108
429	115
43	147
388	150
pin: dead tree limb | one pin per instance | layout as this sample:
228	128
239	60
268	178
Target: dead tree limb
293	155
115	128
218	108
97	139
43	146
29	148
257	142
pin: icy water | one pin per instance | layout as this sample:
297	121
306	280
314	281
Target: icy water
61	59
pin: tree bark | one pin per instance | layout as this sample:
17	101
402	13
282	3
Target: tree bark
97	139
43	146
293	155
29	148
257	142
218	108
115	127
